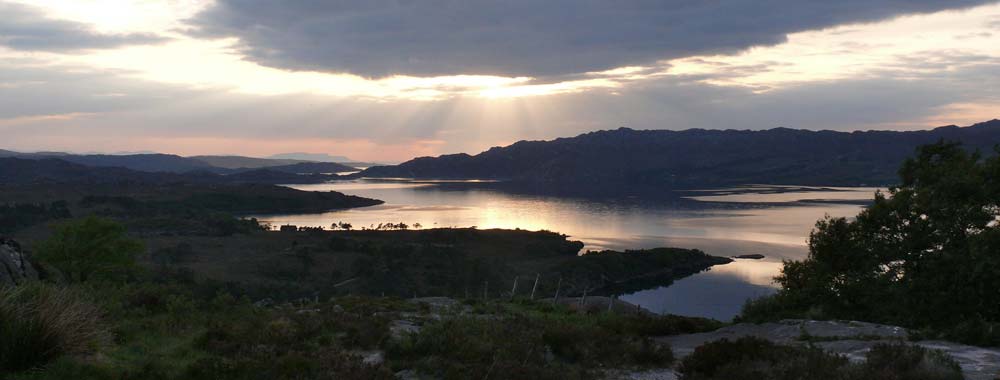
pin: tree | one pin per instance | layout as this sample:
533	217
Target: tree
927	254
90	247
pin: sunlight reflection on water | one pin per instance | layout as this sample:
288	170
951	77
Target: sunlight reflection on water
725	223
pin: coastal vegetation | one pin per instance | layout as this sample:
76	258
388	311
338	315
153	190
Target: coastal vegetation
99	313
925	256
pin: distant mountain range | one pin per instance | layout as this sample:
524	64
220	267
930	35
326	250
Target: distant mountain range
696	158
18	171
168	163
317	157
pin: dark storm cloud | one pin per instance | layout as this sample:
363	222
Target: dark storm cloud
27	28
520	37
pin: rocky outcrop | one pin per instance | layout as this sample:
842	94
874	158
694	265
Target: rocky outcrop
15	268
849	338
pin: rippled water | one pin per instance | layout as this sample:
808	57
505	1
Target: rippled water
769	220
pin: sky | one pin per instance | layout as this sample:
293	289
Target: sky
388	80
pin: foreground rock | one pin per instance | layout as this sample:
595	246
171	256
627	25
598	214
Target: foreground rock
15	268
848	338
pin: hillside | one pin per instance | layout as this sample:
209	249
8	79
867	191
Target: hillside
154	162
241	162
57	170
169	163
697	157
313	167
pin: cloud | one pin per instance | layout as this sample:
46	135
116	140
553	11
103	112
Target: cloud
35	90
994	23
154	116
27	28
378	38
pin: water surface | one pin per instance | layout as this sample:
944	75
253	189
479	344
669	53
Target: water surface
770	220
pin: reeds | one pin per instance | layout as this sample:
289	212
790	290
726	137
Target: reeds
39	323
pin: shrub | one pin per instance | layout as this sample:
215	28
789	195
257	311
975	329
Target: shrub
523	345
39	323
511	347
922	255
752	358
906	362
90	247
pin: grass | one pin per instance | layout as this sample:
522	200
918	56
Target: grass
171	329
752	358
538	340
39	323
166	330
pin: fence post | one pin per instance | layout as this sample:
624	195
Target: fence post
558	285
486	290
533	288
514	290
583	300
611	302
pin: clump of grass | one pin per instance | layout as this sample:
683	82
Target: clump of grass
529	344
904	362
39	323
752	358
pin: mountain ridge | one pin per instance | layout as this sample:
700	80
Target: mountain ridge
16	170
171	163
696	157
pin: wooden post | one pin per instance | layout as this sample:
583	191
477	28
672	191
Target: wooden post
583	300
535	287
611	302
514	290
558	285
486	290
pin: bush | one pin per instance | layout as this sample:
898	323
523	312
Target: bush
90	247
39	323
523	346
906	362
752	358
469	348
923	255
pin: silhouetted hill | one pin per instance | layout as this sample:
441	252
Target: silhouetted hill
697	157
313	167
317	157
24	171
153	162
169	163
15	170
141	162
241	162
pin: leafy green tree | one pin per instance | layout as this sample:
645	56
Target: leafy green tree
91	247
927	254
